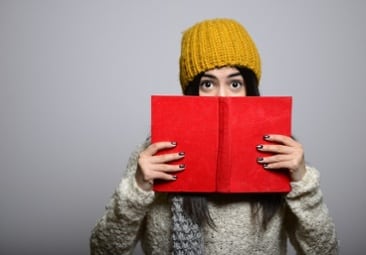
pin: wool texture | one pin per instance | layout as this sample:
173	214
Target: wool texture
187	237
216	43
134	215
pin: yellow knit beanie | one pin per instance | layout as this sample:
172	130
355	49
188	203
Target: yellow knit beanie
216	43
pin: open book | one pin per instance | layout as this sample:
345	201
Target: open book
219	137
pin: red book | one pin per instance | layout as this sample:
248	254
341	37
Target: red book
219	137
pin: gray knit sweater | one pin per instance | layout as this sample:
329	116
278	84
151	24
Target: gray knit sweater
133	214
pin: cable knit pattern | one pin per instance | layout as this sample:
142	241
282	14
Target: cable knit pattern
134	214
186	235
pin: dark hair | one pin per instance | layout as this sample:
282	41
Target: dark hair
250	79
195	205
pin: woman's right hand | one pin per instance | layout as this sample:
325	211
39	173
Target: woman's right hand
151	167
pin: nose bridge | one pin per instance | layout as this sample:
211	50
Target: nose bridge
222	89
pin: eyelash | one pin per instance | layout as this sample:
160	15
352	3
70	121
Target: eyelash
211	83
237	82
203	83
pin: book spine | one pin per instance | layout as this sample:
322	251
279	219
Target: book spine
223	172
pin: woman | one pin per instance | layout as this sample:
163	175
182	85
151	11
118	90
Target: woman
218	58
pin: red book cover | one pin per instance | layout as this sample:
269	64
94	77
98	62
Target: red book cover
219	137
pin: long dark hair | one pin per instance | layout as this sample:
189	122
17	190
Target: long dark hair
195	205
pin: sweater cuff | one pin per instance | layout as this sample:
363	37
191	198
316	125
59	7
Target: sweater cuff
308	184
135	196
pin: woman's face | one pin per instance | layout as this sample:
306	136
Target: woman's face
225	81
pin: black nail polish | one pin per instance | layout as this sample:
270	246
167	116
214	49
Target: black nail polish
175	177
265	165
181	153
173	143
182	166
259	146
259	159
266	137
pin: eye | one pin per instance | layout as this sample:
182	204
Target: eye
236	84
206	84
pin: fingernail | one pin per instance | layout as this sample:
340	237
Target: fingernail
182	166
181	153
266	137
174	177
265	165
259	146
173	143
259	159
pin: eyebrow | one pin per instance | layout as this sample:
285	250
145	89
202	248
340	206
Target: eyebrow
234	74
214	77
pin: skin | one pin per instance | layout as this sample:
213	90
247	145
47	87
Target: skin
286	153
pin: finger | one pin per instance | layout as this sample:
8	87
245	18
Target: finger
163	176
290	165
275	158
161	172
165	158
283	139
296	171
167	168
280	149
153	148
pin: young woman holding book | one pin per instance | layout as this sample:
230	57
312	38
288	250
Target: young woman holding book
218	58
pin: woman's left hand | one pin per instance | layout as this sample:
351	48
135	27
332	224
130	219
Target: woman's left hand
286	154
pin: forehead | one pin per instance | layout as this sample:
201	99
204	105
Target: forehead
223	71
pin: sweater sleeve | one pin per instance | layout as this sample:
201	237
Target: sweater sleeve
310	228
117	232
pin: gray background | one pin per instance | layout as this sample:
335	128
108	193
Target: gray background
76	77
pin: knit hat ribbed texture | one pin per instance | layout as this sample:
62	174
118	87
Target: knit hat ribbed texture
216	43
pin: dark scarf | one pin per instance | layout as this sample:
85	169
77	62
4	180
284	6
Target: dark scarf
187	237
